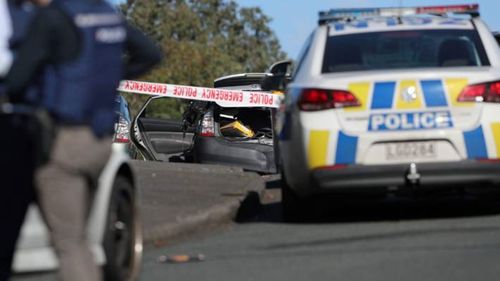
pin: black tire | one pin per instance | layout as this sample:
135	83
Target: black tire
123	237
294	208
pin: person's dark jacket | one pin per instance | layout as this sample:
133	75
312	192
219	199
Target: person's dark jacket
53	39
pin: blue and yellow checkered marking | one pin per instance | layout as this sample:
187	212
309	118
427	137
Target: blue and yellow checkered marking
404	85
383	95
434	94
454	87
346	149
317	149
386	95
389	94
362	92
495	129
475	144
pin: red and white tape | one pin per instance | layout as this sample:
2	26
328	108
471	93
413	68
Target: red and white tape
223	97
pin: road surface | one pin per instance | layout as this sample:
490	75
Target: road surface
395	240
427	239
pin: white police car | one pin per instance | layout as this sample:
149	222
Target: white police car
383	99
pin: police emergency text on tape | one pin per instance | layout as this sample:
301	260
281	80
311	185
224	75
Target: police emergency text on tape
223	97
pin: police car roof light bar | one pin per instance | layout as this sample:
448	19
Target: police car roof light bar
469	9
334	15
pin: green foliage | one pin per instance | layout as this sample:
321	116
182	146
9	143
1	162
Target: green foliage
202	40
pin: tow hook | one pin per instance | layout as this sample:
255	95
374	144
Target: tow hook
413	176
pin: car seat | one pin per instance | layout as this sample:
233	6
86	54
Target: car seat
455	52
344	57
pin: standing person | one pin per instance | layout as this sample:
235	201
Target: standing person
5	34
78	46
9	234
17	140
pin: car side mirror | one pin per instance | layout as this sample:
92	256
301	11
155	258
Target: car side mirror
281	68
278	76
275	82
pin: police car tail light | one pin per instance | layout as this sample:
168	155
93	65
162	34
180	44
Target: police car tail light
320	99
486	92
208	125
122	131
494	93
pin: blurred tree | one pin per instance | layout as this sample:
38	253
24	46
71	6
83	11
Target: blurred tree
203	40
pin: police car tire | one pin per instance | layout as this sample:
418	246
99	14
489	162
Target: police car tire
294	208
123	236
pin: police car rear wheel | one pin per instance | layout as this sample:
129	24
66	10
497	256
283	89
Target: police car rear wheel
294	208
123	237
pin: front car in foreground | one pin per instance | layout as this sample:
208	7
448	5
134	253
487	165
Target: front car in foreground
114	231
388	99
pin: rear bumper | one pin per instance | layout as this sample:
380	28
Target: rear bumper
428	175
249	156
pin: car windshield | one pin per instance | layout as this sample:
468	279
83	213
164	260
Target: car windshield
403	49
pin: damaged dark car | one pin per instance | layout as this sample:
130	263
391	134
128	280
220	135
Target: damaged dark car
209	133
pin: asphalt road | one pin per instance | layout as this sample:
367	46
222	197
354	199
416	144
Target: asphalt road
428	239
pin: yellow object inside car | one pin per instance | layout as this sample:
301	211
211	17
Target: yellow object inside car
278	93
236	129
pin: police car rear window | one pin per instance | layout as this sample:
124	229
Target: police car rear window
403	49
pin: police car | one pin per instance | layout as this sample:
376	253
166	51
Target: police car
384	99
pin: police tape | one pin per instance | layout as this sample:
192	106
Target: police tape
223	97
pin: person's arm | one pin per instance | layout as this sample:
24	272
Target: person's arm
5	33
142	53
34	52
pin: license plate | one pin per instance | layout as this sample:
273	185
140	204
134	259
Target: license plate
410	150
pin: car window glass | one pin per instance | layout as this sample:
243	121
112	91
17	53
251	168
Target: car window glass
403	49
303	54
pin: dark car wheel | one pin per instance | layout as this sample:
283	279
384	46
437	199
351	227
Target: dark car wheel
295	208
123	236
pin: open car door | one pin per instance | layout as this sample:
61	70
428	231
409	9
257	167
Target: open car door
159	136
